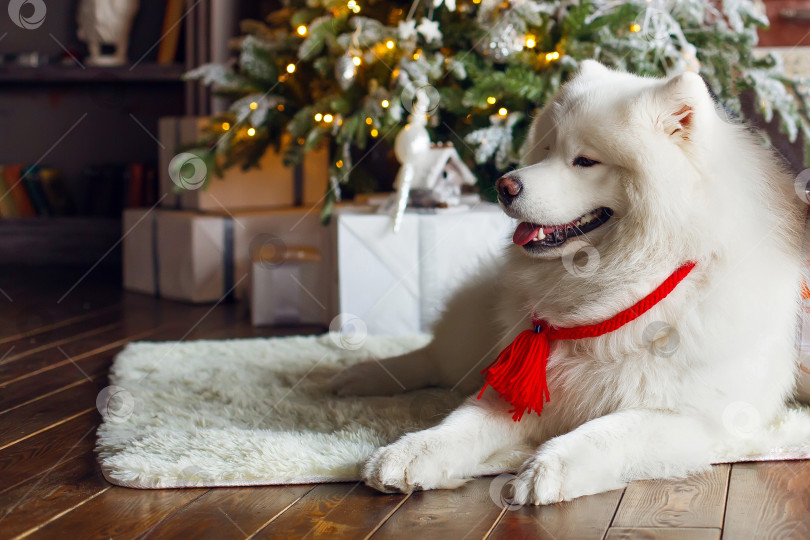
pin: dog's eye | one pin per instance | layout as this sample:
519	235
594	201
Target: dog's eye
582	161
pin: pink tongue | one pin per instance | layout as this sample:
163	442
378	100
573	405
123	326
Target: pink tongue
524	233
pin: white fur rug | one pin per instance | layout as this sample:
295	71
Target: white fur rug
251	412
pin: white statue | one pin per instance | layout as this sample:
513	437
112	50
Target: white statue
106	22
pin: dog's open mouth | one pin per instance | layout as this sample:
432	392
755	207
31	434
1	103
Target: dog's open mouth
533	236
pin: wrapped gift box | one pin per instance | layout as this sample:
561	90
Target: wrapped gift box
396	283
200	258
287	286
178	255
399	283
271	185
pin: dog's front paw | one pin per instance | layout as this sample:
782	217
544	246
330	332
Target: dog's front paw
540	481
548	478
413	462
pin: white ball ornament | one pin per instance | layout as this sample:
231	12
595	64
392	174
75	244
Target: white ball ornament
411	145
412	140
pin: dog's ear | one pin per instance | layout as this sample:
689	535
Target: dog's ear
680	105
591	67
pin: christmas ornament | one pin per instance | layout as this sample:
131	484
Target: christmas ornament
449	4
505	39
345	71
412	141
406	29
429	30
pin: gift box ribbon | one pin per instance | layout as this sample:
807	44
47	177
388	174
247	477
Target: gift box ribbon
228	260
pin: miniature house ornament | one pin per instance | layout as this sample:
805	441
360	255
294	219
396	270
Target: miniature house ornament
106	23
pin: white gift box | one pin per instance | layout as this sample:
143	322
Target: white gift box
203	258
398	283
178	255
287	286
272	185
395	283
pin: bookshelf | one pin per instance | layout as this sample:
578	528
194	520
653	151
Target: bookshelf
61	74
66	115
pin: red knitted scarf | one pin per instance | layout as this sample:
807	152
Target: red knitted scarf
519	372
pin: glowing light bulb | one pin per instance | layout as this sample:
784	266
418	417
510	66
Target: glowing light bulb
339	163
352	4
254	106
225	126
374	132
635	27
369	121
531	41
384	103
318	117
280	107
251	132
290	68
491	100
302	30
356	61
389	44
550	57
328	118
356	9
502	111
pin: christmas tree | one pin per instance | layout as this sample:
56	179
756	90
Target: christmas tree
349	72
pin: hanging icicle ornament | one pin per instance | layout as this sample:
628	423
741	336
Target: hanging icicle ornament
411	142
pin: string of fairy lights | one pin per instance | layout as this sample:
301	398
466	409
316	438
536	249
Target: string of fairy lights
530	42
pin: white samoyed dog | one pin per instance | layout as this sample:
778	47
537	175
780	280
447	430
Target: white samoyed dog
636	177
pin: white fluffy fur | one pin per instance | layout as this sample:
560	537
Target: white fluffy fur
249	412
685	184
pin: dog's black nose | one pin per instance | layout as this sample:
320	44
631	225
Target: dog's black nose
508	188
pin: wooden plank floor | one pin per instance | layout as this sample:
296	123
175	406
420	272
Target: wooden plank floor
53	362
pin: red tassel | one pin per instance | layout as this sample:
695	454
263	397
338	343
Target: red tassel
519	373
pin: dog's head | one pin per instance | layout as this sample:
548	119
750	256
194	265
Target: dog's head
612	156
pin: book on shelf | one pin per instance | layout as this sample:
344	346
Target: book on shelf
134	176
103	190
33	185
170	35
56	192
13	175
7	208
